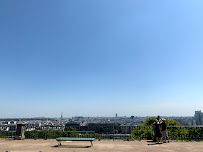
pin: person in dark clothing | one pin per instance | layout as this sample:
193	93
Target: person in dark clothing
158	118
158	133
164	130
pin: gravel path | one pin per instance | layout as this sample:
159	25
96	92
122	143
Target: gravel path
99	146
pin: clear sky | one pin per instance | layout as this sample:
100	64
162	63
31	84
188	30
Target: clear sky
101	57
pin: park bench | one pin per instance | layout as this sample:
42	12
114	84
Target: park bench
59	139
73	139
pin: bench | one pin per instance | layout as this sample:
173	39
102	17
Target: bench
73	139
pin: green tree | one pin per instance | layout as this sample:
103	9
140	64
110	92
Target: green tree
67	132
145	130
70	129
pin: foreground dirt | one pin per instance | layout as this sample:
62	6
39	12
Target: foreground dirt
99	146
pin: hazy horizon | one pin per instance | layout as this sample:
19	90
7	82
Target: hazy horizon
68	117
101	57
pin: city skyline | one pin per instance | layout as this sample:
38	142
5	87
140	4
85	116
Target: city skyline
98	116
99	58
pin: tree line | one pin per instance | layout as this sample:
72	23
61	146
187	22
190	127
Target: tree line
175	131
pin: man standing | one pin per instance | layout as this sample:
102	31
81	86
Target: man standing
164	130
158	133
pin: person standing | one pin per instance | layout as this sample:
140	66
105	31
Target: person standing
158	119
164	130
158	133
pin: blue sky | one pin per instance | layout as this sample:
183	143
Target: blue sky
99	58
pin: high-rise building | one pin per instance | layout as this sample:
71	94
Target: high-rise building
198	117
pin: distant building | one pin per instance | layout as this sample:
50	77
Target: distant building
61	116
6	122
79	117
32	126
101	127
132	117
13	122
194	122
7	127
84	126
97	127
12	127
73	124
198	118
127	128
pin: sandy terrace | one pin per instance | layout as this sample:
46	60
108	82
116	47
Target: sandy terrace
99	146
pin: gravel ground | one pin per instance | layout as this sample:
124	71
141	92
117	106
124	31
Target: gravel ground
99	146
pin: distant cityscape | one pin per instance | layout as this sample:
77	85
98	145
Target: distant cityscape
116	124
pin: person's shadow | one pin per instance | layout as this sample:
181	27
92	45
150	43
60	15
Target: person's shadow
151	142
